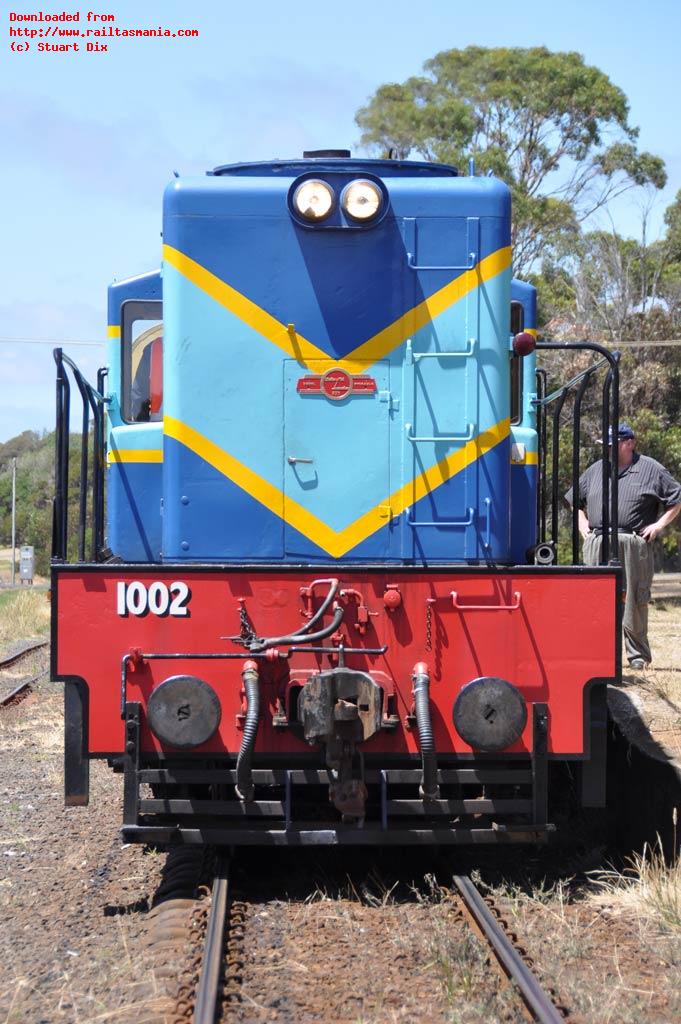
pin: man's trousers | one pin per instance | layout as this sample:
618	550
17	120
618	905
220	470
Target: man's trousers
636	556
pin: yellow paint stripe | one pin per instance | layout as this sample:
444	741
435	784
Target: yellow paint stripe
135	455
532	331
292	343
531	459
377	347
335	542
414	319
113	331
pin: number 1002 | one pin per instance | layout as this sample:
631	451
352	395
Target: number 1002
158	598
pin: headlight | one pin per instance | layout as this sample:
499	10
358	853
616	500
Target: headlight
361	200
313	200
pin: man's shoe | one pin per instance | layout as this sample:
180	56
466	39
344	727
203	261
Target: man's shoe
638	663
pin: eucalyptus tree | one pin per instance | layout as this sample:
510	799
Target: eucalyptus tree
554	128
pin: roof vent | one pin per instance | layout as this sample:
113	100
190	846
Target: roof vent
321	154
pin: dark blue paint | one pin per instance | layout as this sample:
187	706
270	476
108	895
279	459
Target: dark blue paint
134	490
221	522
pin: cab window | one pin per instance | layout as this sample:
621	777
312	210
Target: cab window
142	361
517	325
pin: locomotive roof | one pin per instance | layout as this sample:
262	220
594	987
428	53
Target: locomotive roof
385	168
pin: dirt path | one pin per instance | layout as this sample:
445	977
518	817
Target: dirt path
72	901
327	940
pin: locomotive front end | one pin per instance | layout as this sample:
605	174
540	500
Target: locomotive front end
322	623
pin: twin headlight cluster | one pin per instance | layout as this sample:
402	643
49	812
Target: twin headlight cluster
315	200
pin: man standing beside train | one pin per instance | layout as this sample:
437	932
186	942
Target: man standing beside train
644	486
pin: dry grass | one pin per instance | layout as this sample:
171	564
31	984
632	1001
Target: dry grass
664	676
23	614
656	691
649	888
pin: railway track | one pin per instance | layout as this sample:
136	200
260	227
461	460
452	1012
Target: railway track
21	651
23	689
205	930
538	1002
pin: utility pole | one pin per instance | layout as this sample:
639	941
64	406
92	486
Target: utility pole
14	511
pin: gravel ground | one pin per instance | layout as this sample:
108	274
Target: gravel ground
74	904
365	956
72	900
609	966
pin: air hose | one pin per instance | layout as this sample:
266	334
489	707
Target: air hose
333	590
244	779
421	680
257	646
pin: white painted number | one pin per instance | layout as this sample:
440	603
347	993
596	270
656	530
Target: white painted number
181	594
158	598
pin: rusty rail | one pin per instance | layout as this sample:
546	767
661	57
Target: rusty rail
537	1001
23	649
208	988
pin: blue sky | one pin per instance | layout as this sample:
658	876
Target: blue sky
90	139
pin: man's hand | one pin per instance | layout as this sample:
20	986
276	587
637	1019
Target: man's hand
583	524
649	533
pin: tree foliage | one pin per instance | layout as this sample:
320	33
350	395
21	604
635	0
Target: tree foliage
554	128
34	493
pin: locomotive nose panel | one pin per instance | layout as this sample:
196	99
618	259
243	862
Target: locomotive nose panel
336	454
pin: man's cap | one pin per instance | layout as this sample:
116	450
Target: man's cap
624	433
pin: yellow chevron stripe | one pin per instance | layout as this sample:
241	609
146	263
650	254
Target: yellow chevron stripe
296	346
414	319
335	542
113	331
292	343
135	455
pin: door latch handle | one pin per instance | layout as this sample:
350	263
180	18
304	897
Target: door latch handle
293	459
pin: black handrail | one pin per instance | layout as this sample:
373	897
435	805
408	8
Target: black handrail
93	401
610	426
98	476
577	421
555	454
541	377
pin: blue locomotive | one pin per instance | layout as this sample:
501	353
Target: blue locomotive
319	569
404	296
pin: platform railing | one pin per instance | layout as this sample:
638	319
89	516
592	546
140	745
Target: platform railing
554	403
93	402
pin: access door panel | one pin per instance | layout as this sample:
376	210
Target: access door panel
336	460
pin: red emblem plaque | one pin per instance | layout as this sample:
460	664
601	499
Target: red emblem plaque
336	384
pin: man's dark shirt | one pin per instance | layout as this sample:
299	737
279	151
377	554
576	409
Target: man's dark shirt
643	487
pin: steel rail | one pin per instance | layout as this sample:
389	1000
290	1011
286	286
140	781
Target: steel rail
32	645
211	969
533	995
17	694
21	691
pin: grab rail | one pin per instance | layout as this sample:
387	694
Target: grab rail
486	607
609	423
93	402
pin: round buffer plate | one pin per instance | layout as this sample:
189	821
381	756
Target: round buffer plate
183	712
490	713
